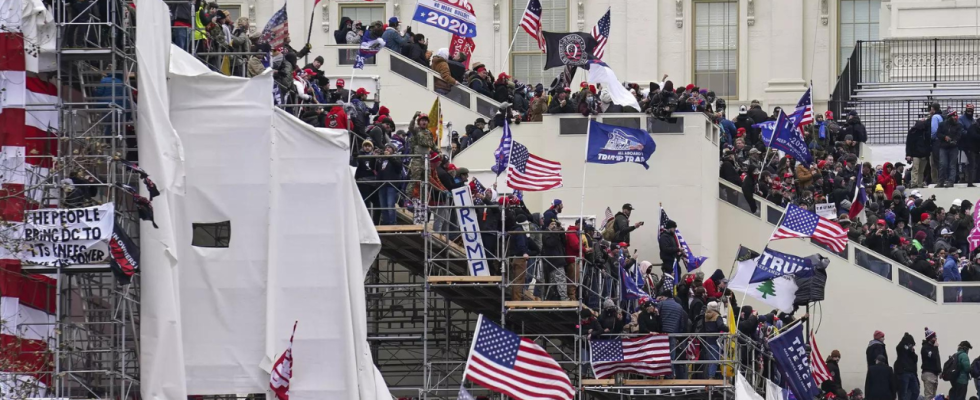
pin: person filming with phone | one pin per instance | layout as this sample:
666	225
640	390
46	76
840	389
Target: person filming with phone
622	225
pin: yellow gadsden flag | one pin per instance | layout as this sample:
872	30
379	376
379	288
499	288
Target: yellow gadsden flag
435	122
728	369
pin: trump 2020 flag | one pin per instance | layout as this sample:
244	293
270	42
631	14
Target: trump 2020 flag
773	263
610	144
790	353
501	156
778	292
783	135
282	370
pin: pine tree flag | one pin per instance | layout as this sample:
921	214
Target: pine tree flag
778	292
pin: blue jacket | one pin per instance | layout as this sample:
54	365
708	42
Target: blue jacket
729	129
966	121
549	215
673	316
951	273
518	242
934	124
393	40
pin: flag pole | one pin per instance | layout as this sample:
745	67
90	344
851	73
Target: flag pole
581	213
309	33
518	30
349	92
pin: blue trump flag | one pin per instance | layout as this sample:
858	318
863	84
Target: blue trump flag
782	134
773	264
610	144
501	156
794	364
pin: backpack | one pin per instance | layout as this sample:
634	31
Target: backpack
609	231
951	368
975	368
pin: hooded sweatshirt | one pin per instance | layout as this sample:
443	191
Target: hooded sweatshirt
876	347
931	361
711	285
906	360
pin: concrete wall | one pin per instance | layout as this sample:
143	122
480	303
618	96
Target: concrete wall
683	176
857	303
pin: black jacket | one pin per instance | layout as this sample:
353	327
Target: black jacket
592	324
834	369
880	383
554	248
876	348
856	129
389	169
182	12
457	70
622	227
906	360
757	115
668	248
918	142
649	322
318	76
556	108
931	361
340	35
950	133
971	142
415	52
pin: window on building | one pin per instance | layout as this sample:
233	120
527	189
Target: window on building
217	234
716	46
364	13
858	22
526	60
234	11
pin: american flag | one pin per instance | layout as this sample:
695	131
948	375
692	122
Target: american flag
692	262
800	223
282	370
609	216
501	361
502	154
531	173
647	355
804	111
277	29
601	34
531	22
818	366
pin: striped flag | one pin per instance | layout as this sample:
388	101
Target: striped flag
277	29
817	363
804	111
531	173
531	22
27	309
601	34
282	370
800	223
608	217
646	355
505	363
691	261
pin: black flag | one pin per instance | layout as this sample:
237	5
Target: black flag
812	287
569	48
125	259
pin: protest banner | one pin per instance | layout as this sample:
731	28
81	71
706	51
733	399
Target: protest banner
827	210
59	237
469	225
453	16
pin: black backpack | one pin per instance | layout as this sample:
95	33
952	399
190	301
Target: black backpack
951	369
975	368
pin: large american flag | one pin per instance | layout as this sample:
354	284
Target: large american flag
531	173
276	29
501	361
601	34
804	111
818	367
800	223
647	355
531	22
282	370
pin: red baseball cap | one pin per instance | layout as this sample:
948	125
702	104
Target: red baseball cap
340	83
361	91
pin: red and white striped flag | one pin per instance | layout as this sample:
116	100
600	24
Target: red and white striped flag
817	364
27	310
608	217
528	172
282	370
648	355
531	22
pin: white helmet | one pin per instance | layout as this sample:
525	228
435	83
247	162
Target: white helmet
957	202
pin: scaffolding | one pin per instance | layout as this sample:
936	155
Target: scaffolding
423	304
93	351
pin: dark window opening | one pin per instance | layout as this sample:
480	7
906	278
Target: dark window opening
215	234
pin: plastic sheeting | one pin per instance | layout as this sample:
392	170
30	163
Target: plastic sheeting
300	243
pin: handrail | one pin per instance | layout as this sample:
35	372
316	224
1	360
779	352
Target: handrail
851	257
430	83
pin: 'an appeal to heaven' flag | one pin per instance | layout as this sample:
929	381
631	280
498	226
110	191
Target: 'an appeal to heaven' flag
610	144
778	292
783	135
790	353
773	263
282	370
800	223
452	16
693	262
647	355
568	48
503	362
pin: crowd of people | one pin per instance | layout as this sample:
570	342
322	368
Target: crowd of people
905	379
897	221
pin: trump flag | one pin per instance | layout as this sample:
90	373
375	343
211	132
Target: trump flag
610	144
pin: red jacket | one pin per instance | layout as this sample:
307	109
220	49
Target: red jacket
572	244
886	180
336	119
711	290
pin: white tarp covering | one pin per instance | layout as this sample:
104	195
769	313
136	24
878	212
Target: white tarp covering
214	319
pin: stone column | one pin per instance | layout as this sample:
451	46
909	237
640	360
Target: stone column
786	82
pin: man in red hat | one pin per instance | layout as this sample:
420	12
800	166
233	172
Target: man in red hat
363	113
340	93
